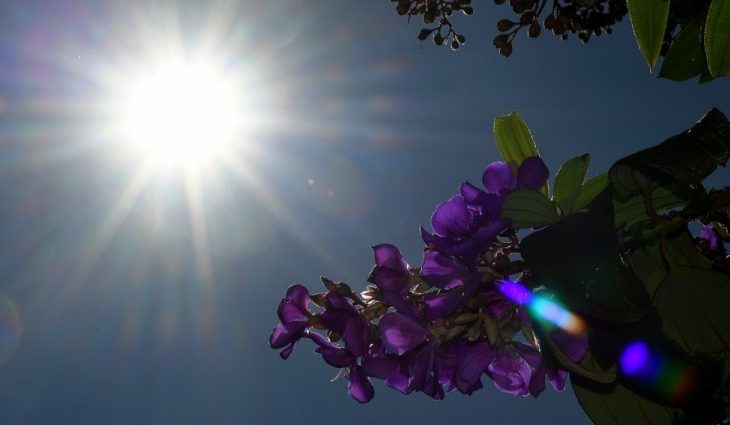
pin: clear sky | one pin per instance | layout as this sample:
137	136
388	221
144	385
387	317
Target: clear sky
124	299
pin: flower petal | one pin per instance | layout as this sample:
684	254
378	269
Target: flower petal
498	177
358	385
557	377
472	358
511	373
295	305
443	271
378	367
489	204
388	256
356	335
532	174
440	305
400	333
713	239
286	333
451	218
285	353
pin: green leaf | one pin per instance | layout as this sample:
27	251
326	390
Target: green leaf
679	163
693	306
589	191
648	263
631	210
578	259
569	181
529	208
649	21
717	38
686	56
615	404
515	141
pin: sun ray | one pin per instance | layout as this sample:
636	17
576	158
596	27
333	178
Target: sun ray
275	206
108	228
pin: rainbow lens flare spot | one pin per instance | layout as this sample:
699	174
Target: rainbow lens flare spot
635	358
542	307
515	292
660	372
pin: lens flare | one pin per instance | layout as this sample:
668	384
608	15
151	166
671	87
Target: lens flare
542	307
657	371
11	329
635	358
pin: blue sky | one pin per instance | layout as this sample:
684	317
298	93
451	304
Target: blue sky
372	129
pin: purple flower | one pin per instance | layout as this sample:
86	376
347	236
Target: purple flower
574	346
447	273
443	271
414	367
510	370
392	277
499	179
294	315
401	334
358	385
713	239
462	228
442	304
464	364
334	355
342	317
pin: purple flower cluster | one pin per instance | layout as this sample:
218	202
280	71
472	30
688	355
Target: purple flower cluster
441	327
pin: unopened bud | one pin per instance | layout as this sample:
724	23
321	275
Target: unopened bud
465	318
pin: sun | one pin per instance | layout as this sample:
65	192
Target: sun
178	112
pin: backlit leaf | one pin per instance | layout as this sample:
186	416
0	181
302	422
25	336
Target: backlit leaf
649	20
569	180
529	208
717	38
686	56
515	141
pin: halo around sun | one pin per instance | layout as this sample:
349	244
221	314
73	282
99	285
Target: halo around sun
179	112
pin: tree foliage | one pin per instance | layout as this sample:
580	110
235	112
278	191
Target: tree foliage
693	36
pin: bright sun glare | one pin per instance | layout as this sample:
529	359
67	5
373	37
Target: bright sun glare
181	113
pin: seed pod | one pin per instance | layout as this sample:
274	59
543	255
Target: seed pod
465	318
500	41
454	332
550	21
474	332
527	17
506	50
534	30
330	285
490	328
505	25
318	299
425	32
